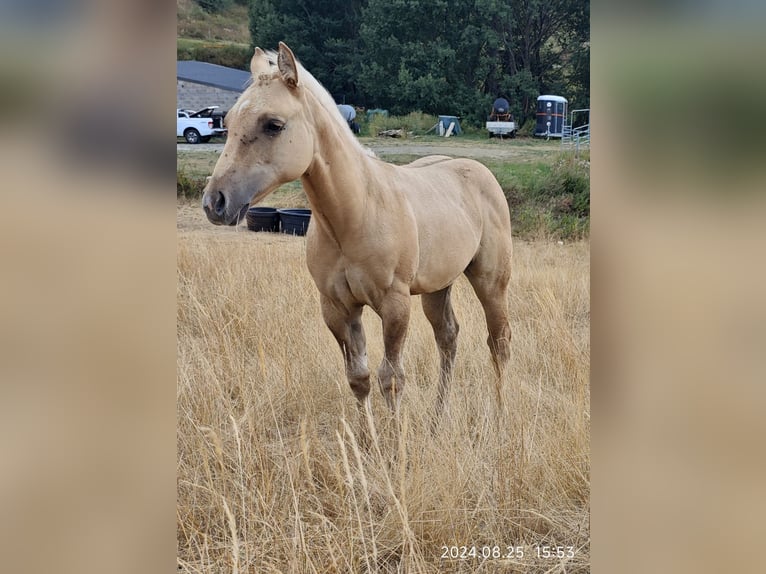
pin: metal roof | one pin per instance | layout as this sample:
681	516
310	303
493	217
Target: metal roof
212	75
552	98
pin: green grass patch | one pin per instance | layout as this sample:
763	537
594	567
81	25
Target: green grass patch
229	25
189	186
197	163
230	54
520	180
414	123
547	198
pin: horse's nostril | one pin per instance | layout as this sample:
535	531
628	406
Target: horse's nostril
220	204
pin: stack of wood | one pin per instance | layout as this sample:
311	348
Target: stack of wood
392	133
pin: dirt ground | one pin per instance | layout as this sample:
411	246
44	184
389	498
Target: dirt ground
506	149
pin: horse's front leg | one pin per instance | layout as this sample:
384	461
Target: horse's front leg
395	315
346	326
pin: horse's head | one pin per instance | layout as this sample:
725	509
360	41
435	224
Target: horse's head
269	141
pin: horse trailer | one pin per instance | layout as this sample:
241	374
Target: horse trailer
551	116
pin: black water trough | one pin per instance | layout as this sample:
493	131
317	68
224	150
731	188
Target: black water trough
295	221
262	219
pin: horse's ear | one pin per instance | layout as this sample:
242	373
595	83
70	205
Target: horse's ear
288	67
258	60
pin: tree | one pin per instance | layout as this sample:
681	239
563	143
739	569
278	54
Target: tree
213	6
436	56
322	33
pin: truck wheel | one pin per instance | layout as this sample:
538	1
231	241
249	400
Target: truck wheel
192	136
513	134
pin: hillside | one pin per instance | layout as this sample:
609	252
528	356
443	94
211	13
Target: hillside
222	39
230	26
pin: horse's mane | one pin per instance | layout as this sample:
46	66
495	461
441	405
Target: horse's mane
326	100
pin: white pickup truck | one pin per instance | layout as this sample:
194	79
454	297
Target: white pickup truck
199	126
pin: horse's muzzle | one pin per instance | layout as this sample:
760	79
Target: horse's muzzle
215	209
215	206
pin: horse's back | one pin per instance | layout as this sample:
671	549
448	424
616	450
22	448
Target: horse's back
456	189
428	160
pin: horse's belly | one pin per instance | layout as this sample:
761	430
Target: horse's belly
428	283
439	267
449	235
446	247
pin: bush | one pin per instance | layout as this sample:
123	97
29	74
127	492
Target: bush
189	187
568	189
548	200
527	128
416	123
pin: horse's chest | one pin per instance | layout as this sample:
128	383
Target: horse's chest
357	274
365	284
352	284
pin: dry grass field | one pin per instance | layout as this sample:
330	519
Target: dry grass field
273	475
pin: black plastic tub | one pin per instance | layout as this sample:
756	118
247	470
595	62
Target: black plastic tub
295	221
262	219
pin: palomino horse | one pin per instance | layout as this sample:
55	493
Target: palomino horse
379	233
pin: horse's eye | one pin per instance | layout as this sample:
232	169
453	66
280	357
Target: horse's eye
273	127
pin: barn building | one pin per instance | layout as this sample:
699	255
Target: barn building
199	84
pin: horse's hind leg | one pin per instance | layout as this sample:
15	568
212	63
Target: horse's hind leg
491	287
347	329
438	310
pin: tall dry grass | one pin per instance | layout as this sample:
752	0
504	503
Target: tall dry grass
272	472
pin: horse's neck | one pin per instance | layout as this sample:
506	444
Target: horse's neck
335	183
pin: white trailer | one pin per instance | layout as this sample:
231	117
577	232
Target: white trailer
500	122
501	129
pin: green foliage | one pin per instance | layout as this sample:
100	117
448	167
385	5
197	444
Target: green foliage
547	199
189	186
440	56
524	89
222	53
527	129
568	189
416	123
322	33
